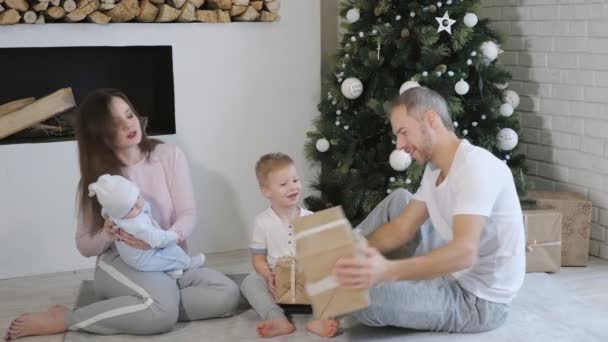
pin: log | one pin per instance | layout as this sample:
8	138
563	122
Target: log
220	4
240	2
98	18
75	16
55	13
157	2
223	16
30	17
47	1
178	3
268	16
56	2
198	3
251	14
41	6
14	105
46	107
258	5
19	5
106	7
206	16
236	10
88	6
167	14
148	12
69	5
108	2
40	19
124	11
9	17
188	13
273	6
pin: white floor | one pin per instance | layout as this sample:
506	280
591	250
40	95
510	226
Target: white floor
568	306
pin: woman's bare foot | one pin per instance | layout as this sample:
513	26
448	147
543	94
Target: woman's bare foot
37	323
274	327
323	328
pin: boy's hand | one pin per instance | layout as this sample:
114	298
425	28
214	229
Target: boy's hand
269	278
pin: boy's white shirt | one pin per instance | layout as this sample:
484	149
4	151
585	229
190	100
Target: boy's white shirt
273	237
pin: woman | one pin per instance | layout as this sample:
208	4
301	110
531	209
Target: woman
111	139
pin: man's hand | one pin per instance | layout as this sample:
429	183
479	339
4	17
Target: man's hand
362	273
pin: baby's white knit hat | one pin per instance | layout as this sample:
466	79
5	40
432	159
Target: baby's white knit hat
116	194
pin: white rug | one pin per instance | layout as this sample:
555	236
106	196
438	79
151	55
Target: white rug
543	311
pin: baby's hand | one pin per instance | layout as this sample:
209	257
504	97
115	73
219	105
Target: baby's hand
180	236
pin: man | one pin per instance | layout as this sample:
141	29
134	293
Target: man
467	281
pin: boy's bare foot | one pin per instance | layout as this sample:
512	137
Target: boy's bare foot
323	328
37	323
274	327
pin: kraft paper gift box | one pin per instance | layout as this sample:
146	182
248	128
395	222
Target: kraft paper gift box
576	223
543	240
289	282
322	239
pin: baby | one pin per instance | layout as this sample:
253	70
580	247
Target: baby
272	239
121	201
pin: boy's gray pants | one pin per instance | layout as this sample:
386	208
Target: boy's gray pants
258	294
142	303
439	304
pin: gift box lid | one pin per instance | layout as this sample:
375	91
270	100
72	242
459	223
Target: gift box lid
323	231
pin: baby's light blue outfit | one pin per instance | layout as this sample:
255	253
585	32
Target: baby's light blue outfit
164	256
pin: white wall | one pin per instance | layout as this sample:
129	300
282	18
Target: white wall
557	52
241	90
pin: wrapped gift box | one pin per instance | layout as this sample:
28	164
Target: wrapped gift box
322	239
576	223
543	240
289	282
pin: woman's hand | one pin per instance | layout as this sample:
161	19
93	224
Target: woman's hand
111	229
132	240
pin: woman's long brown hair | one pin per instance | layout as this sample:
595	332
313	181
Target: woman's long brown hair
95	133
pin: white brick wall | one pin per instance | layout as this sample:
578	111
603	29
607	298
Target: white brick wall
557	51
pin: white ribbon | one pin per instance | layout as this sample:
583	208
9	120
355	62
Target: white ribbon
325	284
529	247
293	281
321	228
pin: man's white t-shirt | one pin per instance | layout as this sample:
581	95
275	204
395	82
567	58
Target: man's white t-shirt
273	237
478	183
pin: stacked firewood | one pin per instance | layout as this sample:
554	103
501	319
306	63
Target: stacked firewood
147	11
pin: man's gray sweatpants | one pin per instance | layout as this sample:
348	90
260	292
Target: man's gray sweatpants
439	304
142	303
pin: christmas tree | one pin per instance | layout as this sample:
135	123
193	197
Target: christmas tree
389	46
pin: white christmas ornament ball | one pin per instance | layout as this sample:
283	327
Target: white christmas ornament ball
322	145
400	160
352	88
507	139
450	73
490	50
506	109
353	15
501	86
470	19
461	87
511	97
407	85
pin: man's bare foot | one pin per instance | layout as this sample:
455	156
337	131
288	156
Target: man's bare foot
37	323
274	327
323	328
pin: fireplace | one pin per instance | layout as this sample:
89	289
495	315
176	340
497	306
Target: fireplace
144	73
